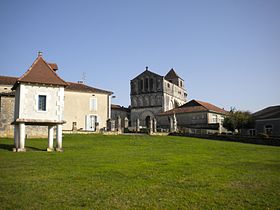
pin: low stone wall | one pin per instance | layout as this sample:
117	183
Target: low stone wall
234	138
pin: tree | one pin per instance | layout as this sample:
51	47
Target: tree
238	120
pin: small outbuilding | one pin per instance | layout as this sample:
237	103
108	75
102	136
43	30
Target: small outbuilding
39	100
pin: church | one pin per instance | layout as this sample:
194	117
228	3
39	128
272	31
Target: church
152	94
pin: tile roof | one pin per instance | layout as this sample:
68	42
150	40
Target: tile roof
270	112
72	86
41	72
4	80
195	106
53	66
115	106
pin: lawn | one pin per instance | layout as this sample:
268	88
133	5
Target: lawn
139	172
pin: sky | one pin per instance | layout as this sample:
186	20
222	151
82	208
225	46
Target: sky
227	51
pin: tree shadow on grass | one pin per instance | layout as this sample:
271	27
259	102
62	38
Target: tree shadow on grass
10	147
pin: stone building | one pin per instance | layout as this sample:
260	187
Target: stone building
152	94
86	108
267	121
196	116
122	114
39	100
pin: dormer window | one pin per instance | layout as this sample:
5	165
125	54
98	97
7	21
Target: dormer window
42	102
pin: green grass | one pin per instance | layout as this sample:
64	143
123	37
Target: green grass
139	172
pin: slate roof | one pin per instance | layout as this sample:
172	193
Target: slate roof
268	113
195	106
40	72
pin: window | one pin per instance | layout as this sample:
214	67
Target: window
268	129
151	83
146	83
42	102
181	84
252	132
214	118
168	85
93	104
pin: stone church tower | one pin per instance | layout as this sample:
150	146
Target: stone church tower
152	94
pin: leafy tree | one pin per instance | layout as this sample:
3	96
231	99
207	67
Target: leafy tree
238	120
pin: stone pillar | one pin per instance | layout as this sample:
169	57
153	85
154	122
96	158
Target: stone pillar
137	125
171	124
16	137
174	123
112	124
21	138
59	138
50	138
125	122
155	125
119	124
151	126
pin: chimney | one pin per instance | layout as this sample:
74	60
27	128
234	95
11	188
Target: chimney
40	53
80	82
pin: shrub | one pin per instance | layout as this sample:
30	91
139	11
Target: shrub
262	135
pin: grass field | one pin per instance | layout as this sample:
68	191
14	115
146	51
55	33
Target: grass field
139	172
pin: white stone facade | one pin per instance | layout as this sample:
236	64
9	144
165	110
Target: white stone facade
26	102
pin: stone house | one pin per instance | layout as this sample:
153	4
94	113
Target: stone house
39	100
85	108
267	121
152	94
196	116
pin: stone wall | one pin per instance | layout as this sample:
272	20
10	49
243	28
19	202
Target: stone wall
198	119
7	117
142	113
261	124
122	113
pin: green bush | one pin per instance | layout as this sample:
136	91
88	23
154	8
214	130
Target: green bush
262	135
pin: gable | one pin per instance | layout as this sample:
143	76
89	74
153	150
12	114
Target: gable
147	73
41	72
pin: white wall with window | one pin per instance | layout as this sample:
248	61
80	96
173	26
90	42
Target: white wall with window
80	105
41	102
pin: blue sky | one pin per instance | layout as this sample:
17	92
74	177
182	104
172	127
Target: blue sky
227	51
